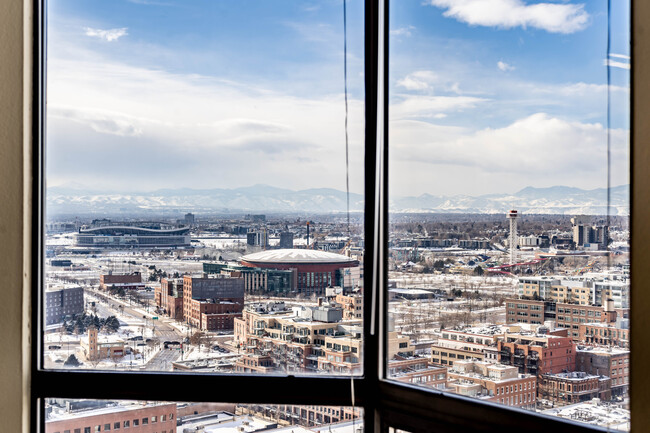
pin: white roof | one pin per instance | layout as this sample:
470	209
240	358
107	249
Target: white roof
296	256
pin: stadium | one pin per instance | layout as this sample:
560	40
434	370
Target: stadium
144	235
314	270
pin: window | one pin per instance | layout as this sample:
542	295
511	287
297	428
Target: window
100	379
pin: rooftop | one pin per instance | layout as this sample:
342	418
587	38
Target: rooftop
298	256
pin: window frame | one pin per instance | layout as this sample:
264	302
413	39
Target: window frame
386	403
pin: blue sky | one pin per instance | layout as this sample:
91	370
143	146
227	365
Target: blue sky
486	95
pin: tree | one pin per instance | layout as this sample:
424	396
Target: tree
72	361
478	270
111	324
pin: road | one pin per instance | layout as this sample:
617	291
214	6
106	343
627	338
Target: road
162	361
109	305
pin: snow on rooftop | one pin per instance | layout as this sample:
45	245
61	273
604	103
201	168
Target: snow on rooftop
296	256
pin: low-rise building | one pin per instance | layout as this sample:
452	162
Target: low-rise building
128	282
113	416
417	371
560	389
352	305
493	382
302	339
537	353
606	361
95	347
604	334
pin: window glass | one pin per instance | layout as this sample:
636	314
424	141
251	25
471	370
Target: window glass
507	249
207	417
204	186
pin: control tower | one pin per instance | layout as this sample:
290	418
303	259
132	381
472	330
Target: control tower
513	215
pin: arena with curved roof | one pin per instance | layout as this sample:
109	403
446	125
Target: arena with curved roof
314	270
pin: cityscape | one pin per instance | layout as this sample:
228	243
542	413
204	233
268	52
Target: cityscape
204	205
538	323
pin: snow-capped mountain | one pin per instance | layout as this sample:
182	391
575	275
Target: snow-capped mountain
268	199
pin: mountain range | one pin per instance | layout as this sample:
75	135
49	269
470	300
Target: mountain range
269	199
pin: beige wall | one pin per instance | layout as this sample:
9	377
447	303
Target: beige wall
14	262
14	398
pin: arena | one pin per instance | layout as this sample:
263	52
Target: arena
314	270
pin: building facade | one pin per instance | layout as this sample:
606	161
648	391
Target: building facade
63	302
131	418
315	270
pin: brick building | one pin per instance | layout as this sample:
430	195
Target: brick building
568	316
611	362
131	418
493	382
212	302
169	297
537	354
214	314
418	371
604	334
128	282
561	389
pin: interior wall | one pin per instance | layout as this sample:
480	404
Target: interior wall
14	395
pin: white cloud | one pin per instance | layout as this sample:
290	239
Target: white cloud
619	56
157	129
419	80
503	66
534	150
423	106
102	121
107	35
554	18
403	31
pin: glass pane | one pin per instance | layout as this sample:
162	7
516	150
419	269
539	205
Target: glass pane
91	416
509	261
198	213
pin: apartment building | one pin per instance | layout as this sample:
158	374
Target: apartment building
352	305
467	344
62	302
568	316
604	334
303	339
